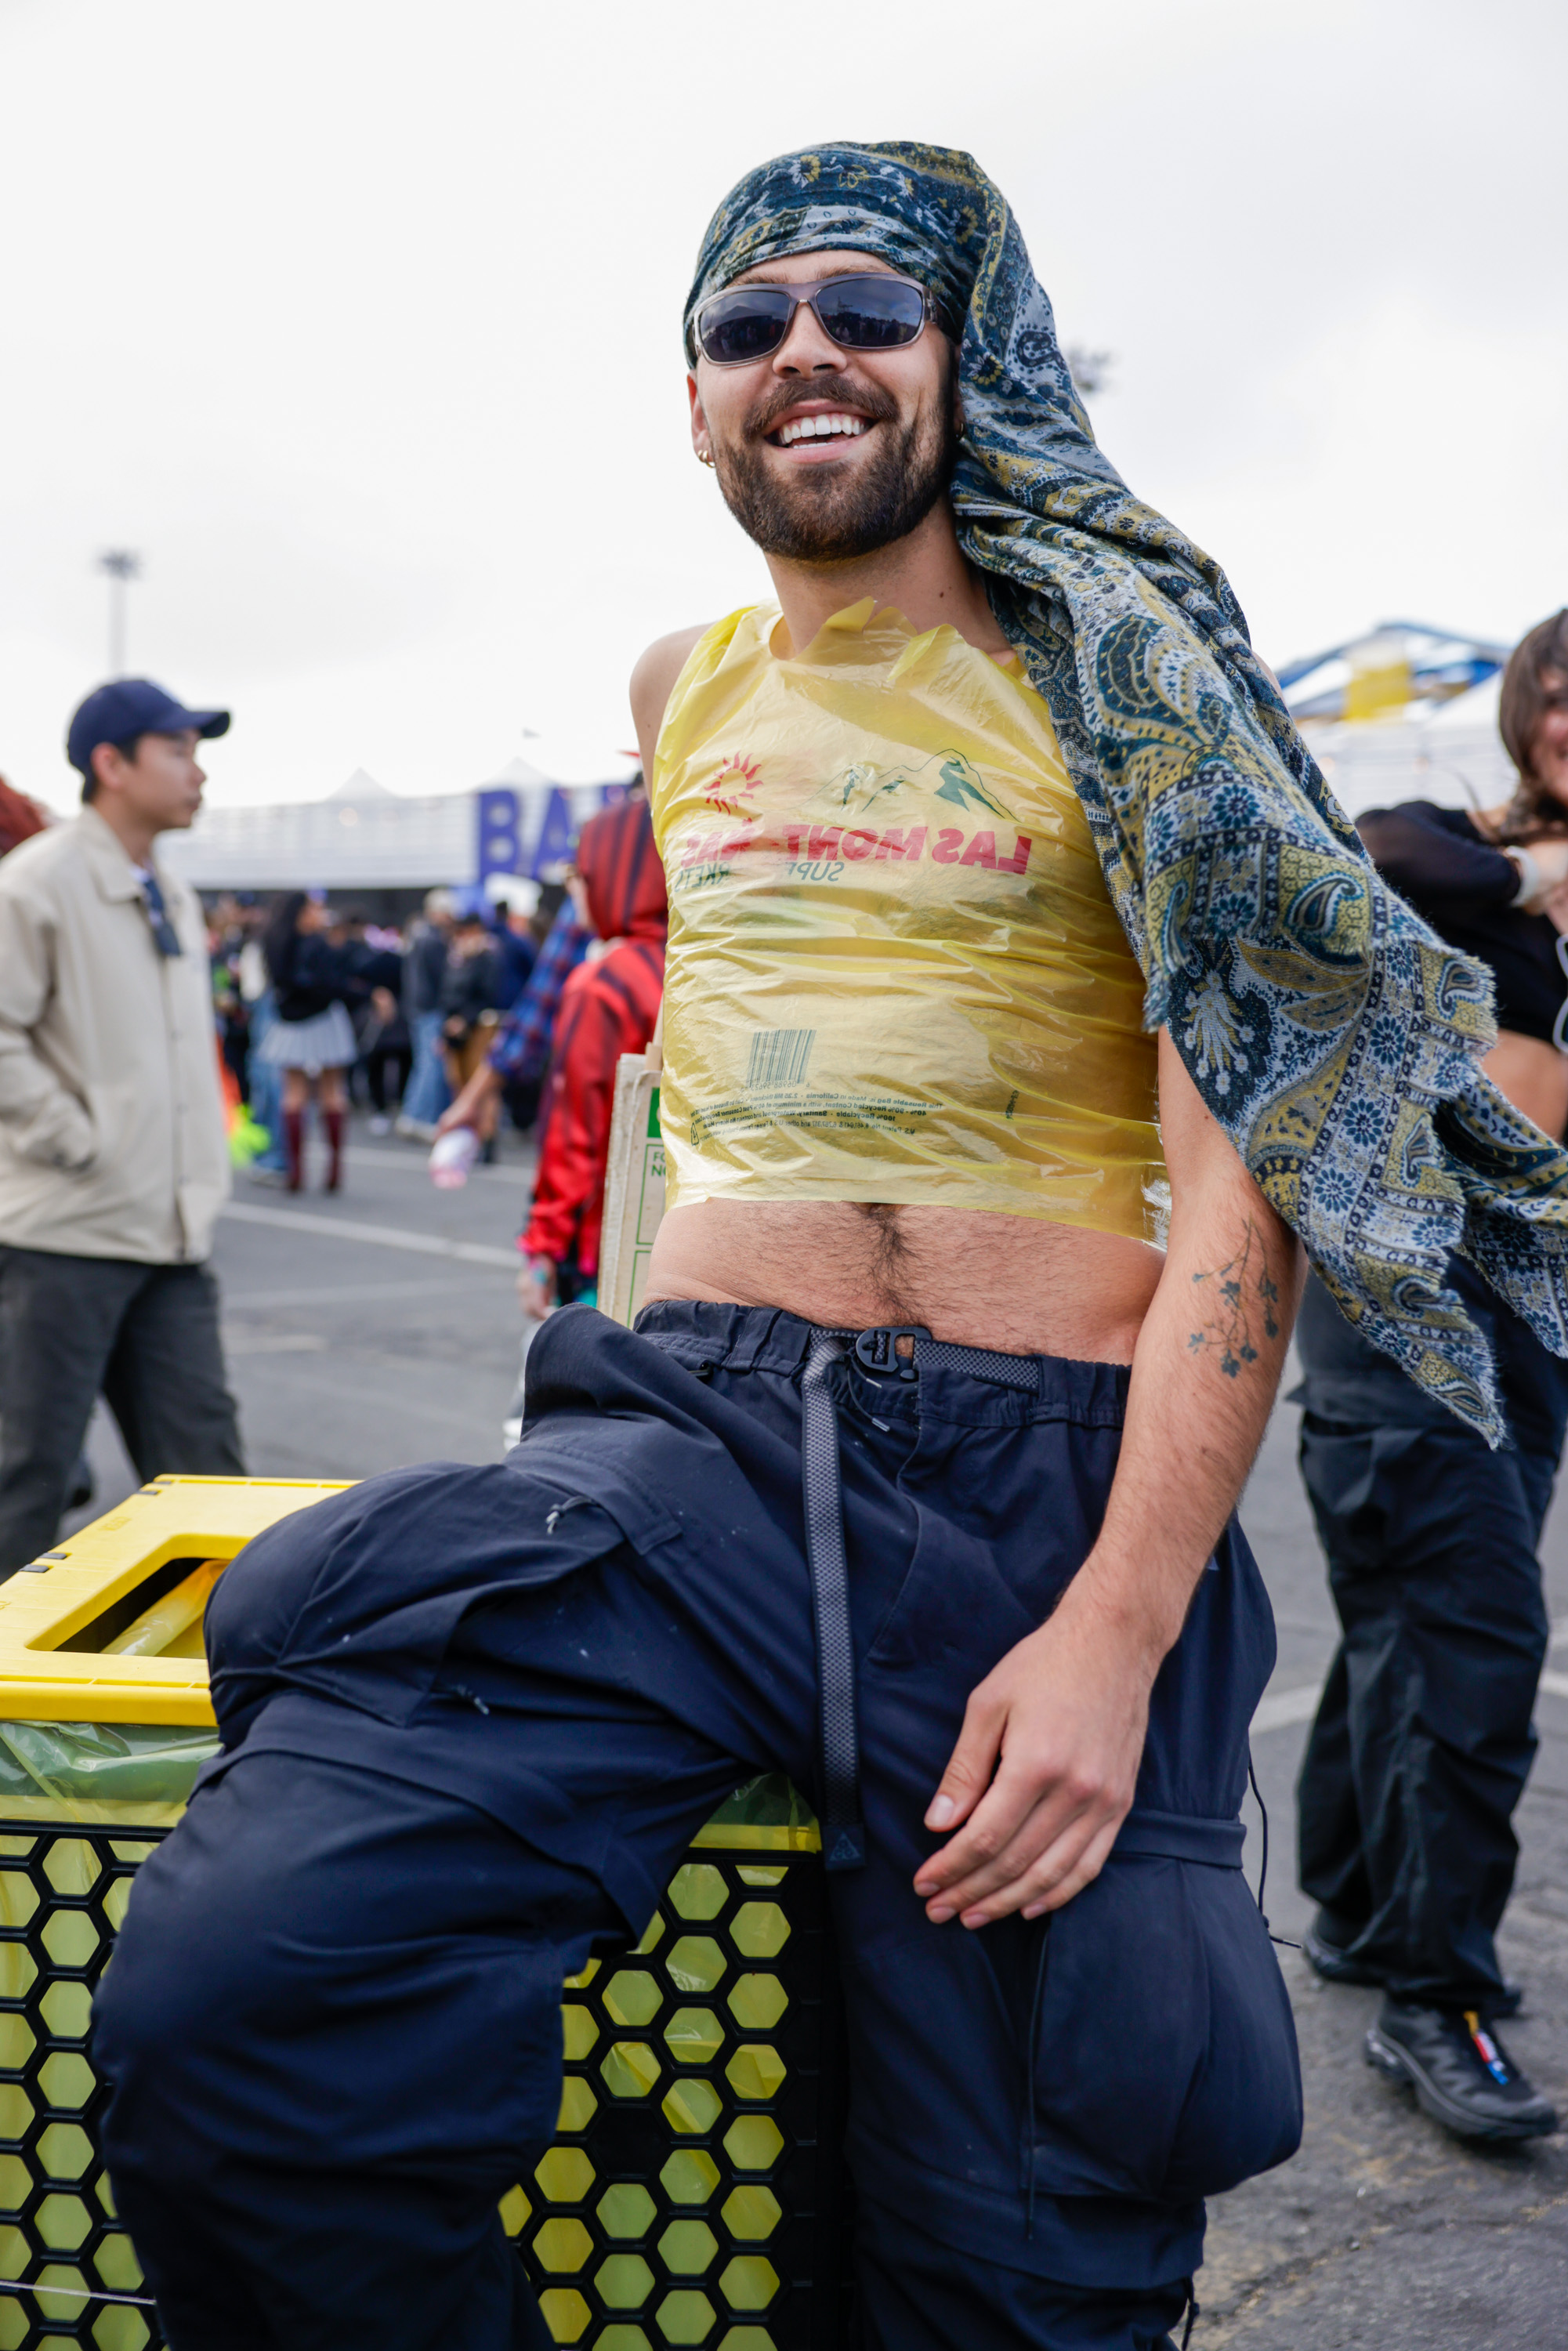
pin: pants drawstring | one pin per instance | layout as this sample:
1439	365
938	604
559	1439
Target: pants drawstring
1263	1810
843	1829
1192	2315
1283	1940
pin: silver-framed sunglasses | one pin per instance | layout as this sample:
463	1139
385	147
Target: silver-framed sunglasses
868	311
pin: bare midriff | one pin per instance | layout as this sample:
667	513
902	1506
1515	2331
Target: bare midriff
971	1276
1534	1076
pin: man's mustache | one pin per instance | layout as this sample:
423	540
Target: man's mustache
859	399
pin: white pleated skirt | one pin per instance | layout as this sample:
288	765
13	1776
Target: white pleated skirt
326	1041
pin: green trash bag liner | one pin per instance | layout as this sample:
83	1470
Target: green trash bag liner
104	1774
111	1773
766	1811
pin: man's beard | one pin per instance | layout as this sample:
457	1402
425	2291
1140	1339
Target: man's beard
829	514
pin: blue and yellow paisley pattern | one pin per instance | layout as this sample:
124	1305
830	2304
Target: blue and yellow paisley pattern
1336	1038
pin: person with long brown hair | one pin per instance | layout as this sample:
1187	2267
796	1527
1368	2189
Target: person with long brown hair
1533	720
1423	1741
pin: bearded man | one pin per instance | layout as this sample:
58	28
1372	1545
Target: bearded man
1027	996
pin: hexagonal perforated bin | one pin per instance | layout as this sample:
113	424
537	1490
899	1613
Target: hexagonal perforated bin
693	2193
62	1895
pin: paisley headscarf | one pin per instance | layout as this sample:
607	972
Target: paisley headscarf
1334	1036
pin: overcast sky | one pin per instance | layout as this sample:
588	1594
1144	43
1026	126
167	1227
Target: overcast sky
361	323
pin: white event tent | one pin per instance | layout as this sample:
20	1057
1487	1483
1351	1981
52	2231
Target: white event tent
363	837
1407	712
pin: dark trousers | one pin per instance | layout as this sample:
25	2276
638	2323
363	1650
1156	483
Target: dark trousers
521	1096
382	1062
912	2296
472	1719
145	1337
1424	1736
456	2009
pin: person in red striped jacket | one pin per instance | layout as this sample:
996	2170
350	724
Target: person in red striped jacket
608	1006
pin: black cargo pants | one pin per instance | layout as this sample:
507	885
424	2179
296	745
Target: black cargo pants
1424	1736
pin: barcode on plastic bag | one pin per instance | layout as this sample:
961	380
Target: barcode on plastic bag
779	1056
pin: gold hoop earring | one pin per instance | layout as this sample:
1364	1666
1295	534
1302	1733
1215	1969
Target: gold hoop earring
703	457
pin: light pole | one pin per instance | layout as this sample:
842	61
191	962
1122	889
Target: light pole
123	564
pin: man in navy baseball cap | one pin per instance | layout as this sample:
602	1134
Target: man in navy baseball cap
113	1157
122	712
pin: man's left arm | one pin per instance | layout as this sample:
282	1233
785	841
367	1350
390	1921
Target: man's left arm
1045	1768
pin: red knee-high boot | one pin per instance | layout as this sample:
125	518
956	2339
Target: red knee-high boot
332	1120
294	1145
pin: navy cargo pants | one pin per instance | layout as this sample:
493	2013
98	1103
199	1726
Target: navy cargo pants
1424	1738
472	1719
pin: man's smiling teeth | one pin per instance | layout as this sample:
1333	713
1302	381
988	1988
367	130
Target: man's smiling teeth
803	428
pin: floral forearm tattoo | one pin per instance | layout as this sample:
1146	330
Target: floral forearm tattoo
1243	1299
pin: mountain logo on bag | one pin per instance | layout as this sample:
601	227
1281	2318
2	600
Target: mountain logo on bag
863	786
962	785
859	786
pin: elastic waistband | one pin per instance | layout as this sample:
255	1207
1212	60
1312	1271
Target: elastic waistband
899	1356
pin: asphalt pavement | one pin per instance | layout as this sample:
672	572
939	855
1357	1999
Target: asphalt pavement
380	1326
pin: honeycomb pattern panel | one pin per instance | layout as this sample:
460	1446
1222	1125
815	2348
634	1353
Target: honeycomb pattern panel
692	2195
62	1897
700	2111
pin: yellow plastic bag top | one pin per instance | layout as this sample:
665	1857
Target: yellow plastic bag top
895	973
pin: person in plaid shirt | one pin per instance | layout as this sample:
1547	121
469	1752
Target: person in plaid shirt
520	1054
516	1061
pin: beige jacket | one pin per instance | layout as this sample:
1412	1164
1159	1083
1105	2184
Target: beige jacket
112	1123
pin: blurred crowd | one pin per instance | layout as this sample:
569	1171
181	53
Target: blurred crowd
317	1003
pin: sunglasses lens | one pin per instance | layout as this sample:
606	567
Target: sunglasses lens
747	325
872	314
861	314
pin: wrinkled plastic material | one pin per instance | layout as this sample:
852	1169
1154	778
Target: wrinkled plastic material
172	1627
894	972
100	1773
763	1814
105	1774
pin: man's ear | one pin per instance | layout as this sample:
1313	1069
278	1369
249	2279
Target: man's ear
106	759
700	437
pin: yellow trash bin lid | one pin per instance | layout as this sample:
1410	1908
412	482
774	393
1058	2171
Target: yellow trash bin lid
64	1620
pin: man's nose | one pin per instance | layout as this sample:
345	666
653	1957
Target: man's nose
806	348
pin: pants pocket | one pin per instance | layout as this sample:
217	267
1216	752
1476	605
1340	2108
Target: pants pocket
1165	2064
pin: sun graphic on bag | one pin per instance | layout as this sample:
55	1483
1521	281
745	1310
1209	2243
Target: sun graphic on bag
735	778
